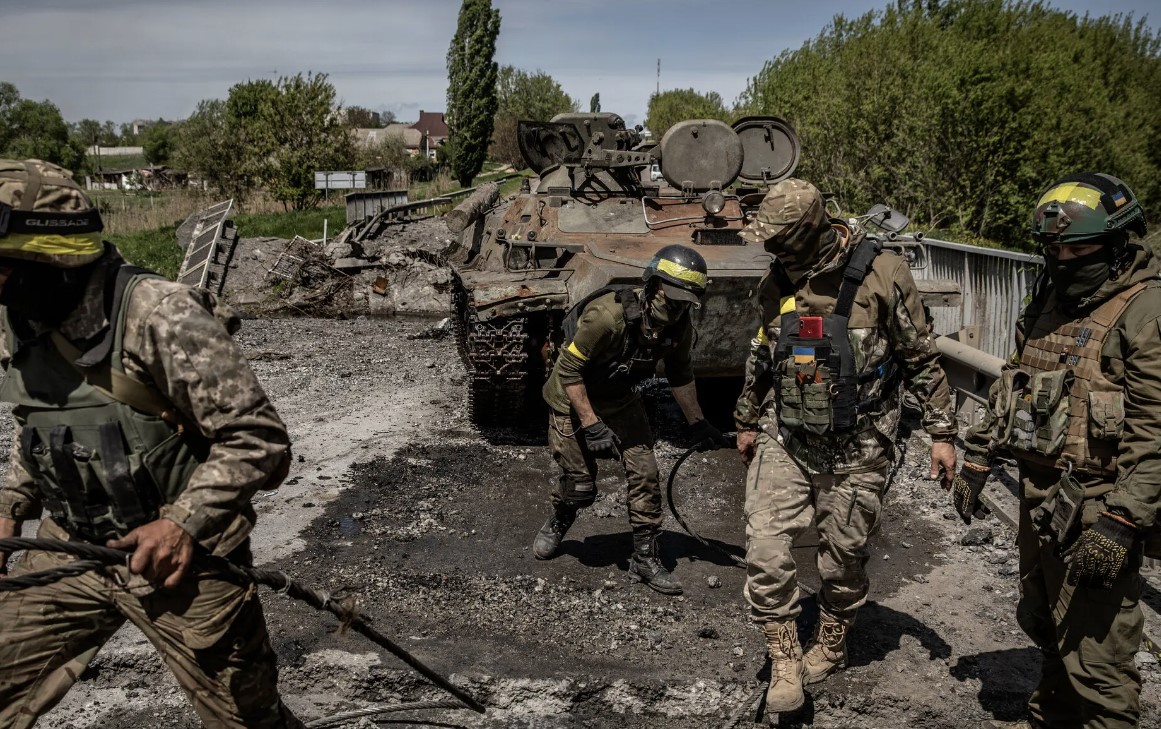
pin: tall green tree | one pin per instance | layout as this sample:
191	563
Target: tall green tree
35	130
360	117
157	141
209	146
471	89
1005	97
523	96
670	107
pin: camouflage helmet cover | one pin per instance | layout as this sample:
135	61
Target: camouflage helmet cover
45	217
682	271
1083	207
791	215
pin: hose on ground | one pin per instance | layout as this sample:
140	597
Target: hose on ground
338	719
94	556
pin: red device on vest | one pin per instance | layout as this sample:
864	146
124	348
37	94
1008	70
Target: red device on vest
810	327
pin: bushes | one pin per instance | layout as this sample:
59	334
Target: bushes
960	112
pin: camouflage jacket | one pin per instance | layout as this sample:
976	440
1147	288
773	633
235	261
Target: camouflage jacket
178	339
887	320
1130	357
600	338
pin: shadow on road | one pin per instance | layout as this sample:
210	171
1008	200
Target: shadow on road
1006	677
605	550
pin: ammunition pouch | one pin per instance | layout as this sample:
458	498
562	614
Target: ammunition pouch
577	494
1034	410
1058	513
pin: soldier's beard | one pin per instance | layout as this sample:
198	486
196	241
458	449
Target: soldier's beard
42	293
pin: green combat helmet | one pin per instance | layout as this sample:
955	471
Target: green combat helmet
682	271
1084	207
45	217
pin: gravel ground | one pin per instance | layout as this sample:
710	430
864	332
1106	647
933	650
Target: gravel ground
394	495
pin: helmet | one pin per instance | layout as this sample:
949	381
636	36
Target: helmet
45	217
681	270
790	219
1084	207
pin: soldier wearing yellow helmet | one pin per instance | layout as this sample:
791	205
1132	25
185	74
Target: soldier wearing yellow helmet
140	425
1080	411
614	339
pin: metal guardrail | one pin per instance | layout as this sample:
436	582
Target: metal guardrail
368	204
995	286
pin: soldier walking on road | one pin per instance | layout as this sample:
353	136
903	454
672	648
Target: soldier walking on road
1080	410
612	341
842	328
141	425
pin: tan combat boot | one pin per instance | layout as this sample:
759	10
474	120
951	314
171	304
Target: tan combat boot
785	692
826	653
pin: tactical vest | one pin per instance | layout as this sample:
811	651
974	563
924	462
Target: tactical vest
1059	407
105	451
637	359
814	377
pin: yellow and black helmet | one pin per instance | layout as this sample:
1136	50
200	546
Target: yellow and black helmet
681	270
45	217
1084	208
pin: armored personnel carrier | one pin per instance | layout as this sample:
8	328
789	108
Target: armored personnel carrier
593	217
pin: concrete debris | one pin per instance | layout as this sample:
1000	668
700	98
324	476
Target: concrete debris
976	537
377	267
439	331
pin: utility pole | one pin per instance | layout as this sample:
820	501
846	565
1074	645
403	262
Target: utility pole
659	77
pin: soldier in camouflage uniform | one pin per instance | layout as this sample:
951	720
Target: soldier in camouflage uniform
141	425
818	417
1079	408
613	340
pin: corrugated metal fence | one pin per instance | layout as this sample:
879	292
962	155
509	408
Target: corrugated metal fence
995	286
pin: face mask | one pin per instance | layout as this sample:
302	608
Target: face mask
808	253
42	293
1078	278
663	312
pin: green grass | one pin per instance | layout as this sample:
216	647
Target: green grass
156	250
307	223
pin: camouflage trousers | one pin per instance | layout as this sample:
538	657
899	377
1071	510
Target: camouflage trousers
210	631
1087	636
782	501
631	425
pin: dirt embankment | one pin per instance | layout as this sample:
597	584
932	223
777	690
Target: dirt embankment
394	494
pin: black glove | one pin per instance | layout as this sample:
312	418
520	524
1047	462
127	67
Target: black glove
706	437
1100	552
600	441
965	493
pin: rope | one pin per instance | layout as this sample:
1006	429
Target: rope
745	708
688	529
344	609
382	709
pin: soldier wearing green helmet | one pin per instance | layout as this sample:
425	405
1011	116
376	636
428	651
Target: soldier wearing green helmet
614	339
140	425
1079	408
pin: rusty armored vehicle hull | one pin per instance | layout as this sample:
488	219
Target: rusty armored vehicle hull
591	219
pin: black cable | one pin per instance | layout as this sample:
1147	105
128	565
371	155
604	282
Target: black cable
673	509
97	556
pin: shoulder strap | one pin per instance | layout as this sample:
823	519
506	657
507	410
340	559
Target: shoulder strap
572	318
854	274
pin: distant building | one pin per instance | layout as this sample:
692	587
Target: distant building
137	178
139	125
424	137
434	130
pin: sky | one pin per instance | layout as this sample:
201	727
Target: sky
149	59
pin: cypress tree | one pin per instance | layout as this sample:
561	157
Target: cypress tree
471	88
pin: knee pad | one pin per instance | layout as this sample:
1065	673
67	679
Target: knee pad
577	494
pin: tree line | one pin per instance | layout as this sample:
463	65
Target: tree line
955	111
960	112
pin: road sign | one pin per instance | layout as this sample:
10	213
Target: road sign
345	180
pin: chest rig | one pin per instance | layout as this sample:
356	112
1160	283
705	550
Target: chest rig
815	378
1061	409
104	450
638	358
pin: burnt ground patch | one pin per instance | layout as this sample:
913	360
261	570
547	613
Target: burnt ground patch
437	540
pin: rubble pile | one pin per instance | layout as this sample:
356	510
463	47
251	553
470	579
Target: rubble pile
380	266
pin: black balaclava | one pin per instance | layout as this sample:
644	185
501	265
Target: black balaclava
42	293
1076	279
